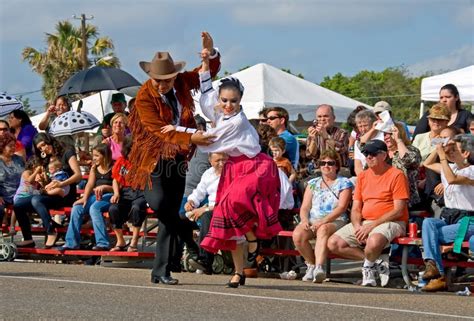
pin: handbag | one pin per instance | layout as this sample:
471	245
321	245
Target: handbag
347	213
453	215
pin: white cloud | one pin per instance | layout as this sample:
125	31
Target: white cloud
456	59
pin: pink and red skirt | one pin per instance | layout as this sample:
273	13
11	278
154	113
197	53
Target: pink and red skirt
248	198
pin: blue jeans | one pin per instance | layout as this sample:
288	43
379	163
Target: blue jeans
95	209
436	232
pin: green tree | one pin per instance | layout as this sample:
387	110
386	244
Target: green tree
394	85
62	57
26	106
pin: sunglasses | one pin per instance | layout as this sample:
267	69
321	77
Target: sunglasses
273	117
4	129
328	163
263	120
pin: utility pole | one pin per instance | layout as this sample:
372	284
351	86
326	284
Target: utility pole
83	18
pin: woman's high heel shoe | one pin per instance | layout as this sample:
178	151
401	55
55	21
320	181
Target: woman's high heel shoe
252	256
241	281
50	246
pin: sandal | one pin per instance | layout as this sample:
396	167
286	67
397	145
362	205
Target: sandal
118	248
252	256
132	248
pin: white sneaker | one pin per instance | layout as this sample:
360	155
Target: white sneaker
319	275
309	276
383	268
368	276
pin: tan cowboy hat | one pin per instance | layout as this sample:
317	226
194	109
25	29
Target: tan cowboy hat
162	66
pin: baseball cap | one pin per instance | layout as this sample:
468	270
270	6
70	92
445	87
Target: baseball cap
373	147
381	106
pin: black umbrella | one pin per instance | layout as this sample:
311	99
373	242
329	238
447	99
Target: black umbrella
98	79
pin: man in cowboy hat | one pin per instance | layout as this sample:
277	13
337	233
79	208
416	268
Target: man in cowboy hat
158	159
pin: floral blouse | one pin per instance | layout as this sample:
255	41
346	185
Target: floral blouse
409	164
324	201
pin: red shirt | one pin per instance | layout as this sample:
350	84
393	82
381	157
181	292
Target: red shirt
120	170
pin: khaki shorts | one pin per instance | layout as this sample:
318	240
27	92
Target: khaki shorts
389	230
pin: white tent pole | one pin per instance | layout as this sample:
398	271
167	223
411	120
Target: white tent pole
422	108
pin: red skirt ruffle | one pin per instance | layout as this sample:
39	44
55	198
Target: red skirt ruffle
248	198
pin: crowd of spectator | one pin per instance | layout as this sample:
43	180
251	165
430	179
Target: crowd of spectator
354	189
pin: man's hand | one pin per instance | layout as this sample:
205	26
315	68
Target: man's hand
312	131
362	232
199	138
207	42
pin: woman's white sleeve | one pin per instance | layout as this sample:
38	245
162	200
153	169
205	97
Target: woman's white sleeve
208	98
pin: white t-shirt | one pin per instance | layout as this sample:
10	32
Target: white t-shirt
235	135
460	197
287	202
206	187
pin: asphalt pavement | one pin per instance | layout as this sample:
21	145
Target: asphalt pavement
33	291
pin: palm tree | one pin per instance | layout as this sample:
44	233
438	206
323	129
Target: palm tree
62	57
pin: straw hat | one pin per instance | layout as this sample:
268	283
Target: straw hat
162	66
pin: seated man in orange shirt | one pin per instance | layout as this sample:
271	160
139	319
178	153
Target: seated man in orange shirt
379	214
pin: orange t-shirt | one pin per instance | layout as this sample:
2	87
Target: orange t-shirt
377	192
285	165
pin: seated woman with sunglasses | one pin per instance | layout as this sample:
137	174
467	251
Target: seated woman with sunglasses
325	202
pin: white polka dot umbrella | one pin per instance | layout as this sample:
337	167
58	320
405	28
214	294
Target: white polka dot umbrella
73	122
8	104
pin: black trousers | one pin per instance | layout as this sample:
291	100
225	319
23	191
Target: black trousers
164	198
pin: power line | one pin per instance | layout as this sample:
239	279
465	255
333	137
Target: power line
26	93
387	96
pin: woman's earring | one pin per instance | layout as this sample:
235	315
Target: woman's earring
43	155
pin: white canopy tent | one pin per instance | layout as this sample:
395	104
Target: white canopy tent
463	79
267	86
91	104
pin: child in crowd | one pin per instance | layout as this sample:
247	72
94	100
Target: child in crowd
56	173
277	146
126	203
29	185
95	201
207	187
470	122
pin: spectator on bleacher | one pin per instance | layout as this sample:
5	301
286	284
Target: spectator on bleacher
265	134
5	128
457	174
11	168
207	188
115	141
126	203
95	201
248	195
380	107
471	124
405	157
379	214
158	158
278	119
438	118
48	149
119	103
278	147
57	108
324	134
449	96
354	135
24	131
365	121
325	202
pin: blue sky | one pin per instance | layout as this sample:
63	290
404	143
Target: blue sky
315	38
